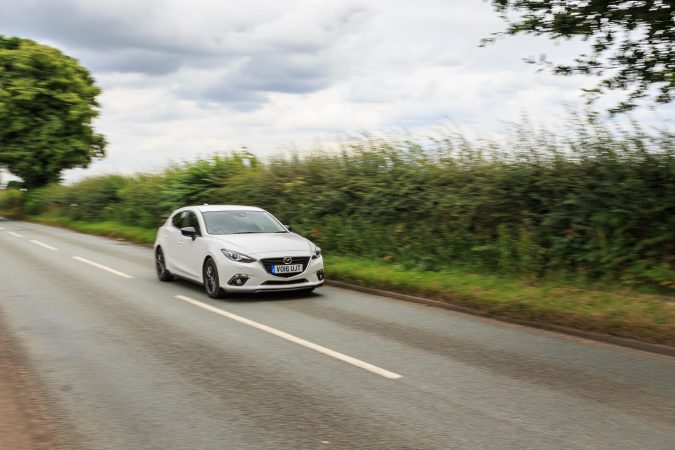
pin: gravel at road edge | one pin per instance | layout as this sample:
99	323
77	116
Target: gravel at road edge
25	418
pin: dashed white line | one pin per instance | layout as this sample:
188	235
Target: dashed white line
102	267
42	244
15	234
289	337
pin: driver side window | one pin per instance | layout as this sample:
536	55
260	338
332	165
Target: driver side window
177	220
192	221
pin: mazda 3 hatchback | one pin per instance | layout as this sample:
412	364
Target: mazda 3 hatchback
230	248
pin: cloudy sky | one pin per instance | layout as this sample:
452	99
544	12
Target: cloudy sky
188	78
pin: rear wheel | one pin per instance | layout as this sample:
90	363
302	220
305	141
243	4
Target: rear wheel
160	265
211	281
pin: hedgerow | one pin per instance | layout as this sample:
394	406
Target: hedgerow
593	200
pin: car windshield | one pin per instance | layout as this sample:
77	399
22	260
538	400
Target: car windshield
241	222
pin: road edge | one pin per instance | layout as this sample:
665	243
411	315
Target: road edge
599	337
35	421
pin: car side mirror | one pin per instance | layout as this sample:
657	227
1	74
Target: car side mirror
288	227
189	231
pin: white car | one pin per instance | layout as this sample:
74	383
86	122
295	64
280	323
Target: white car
231	248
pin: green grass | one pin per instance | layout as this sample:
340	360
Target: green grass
111	229
616	311
620	312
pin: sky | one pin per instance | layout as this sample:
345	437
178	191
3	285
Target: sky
184	79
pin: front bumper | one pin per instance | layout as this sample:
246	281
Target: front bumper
259	280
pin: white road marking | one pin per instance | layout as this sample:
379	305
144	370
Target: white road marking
42	244
101	266
2	228
15	234
289	337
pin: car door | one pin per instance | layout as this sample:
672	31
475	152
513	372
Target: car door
171	239
191	252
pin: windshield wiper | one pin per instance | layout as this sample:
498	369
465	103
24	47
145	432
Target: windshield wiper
247	232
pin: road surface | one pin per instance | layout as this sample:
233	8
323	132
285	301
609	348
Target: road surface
125	361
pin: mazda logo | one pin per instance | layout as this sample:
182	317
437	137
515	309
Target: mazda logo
288	260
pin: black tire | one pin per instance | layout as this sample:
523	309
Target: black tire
160	266
211	280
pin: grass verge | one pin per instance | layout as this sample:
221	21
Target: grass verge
619	312
111	229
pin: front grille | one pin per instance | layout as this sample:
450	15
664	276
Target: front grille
268	262
279	282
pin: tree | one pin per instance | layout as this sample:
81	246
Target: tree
47	104
632	42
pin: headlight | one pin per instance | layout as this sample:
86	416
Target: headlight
236	256
317	253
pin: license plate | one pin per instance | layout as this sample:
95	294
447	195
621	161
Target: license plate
290	268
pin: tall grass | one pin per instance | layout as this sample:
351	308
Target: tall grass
592	200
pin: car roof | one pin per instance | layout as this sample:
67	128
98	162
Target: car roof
207	208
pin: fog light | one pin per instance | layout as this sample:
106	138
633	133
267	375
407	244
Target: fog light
238	280
319	274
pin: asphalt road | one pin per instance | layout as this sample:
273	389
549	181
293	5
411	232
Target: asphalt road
128	364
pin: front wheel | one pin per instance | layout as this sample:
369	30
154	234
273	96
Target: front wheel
211	281
160	266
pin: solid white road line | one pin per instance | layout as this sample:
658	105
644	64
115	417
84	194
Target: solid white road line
42	244
2	228
101	266
15	234
294	339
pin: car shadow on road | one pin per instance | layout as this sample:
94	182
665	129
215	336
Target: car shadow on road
198	291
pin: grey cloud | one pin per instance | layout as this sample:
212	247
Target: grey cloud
143	29
133	60
283	74
235	99
249	81
68	22
287	52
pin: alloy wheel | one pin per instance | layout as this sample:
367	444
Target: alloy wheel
211	282
160	266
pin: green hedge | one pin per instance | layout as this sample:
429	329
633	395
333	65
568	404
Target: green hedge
593	200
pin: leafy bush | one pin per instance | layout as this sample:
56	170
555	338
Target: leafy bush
144	201
11	201
41	200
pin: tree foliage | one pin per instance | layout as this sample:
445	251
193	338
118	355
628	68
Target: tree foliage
47	104
632	42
